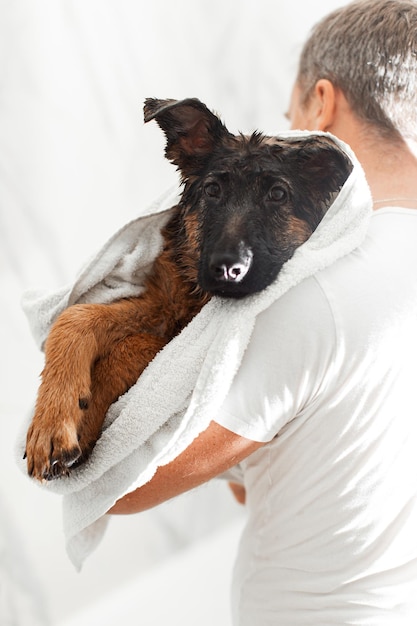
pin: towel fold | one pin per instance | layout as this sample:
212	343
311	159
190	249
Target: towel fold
183	388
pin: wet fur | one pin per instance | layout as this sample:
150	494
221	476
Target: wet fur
247	204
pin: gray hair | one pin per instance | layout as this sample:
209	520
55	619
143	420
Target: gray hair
368	49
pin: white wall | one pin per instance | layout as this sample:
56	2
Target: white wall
76	162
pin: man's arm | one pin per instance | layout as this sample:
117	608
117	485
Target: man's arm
213	452
238	491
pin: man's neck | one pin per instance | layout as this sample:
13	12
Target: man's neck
391	171
390	166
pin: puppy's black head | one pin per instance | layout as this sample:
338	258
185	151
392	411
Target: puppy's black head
251	201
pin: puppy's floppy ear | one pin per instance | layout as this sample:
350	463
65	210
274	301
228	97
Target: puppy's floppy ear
328	165
191	129
322	169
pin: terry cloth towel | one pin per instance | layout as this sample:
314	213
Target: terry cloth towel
183	388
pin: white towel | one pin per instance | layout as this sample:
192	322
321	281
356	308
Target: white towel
183	388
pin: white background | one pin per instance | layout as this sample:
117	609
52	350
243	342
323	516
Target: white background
76	162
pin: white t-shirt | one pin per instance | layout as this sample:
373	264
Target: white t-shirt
330	379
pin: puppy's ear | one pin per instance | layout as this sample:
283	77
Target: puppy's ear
322	169
191	129
328	165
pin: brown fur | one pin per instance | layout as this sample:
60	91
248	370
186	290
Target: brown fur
96	352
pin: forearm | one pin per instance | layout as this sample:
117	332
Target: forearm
212	453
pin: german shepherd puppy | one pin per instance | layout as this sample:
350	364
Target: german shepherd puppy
247	204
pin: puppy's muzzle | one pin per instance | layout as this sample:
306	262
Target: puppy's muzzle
230	267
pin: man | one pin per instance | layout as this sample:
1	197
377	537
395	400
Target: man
327	437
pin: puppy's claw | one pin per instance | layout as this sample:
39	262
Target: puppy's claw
60	464
66	458
46	465
55	470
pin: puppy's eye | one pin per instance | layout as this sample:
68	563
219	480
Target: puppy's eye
212	189
277	194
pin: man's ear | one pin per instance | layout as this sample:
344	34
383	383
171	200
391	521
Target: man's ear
323	102
191	129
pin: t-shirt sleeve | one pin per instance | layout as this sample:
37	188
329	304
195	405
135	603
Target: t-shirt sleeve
286	365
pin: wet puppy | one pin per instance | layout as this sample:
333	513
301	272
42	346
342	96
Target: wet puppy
247	204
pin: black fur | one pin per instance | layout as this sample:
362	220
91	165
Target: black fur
255	199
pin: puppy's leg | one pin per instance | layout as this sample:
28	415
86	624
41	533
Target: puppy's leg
76	373
112	376
81	336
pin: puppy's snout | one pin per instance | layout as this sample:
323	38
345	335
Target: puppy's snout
230	267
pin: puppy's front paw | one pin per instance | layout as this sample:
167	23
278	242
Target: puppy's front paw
51	451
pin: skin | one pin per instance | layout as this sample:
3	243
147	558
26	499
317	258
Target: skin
213	452
391	171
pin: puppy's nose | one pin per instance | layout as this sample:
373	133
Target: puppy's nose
230	267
